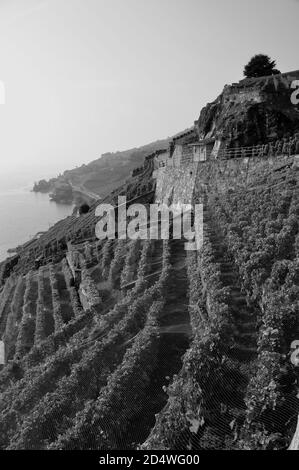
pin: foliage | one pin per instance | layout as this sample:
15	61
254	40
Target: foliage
260	65
57	310
102	424
14	318
189	398
75	302
261	228
25	338
104	351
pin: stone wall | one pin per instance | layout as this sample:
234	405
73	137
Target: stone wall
242	96
161	159
224	175
89	296
177	155
74	257
176	185
182	185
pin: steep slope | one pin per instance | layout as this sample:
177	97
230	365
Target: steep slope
253	111
149	346
238	387
101	176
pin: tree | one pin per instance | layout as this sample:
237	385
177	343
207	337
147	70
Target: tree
260	66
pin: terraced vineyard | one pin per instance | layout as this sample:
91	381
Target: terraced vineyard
63	360
238	388
174	349
51	246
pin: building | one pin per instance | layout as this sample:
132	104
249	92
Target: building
205	149
161	158
179	148
186	148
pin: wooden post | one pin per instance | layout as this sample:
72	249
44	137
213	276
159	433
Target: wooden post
295	442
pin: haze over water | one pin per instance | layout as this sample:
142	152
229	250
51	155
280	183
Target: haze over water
24	213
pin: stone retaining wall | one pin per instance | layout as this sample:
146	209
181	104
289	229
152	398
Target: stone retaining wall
179	185
176	185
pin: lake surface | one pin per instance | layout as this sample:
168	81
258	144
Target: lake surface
24	213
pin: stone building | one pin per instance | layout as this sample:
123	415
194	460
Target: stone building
205	149
161	158
180	150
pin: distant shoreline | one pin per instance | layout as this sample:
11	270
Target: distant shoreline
33	214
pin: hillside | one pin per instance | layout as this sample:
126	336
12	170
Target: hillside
140	344
252	111
237	388
74	372
101	176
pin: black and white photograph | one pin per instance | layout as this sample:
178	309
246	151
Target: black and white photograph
149	231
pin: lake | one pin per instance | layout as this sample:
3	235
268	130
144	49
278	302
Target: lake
24	213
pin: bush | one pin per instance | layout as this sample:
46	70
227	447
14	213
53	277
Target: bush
260	66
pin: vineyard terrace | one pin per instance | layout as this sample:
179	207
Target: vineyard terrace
154	222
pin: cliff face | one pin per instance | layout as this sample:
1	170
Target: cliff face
252	111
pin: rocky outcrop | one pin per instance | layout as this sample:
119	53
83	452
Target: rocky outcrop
62	193
44	186
251	112
88	294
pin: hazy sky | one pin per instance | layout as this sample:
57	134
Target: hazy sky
83	77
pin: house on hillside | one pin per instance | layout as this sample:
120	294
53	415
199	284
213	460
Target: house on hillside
205	149
186	148
179	148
